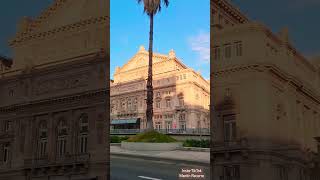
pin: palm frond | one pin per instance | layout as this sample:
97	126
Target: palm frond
152	7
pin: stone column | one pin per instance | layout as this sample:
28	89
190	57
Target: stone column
70	137
98	143
51	137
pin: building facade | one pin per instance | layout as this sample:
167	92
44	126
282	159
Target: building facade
5	63
265	99
181	95
53	108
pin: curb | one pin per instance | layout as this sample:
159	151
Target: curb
115	144
194	149
148	157
181	148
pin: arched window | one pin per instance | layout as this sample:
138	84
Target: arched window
135	103
83	133
129	104
62	137
43	139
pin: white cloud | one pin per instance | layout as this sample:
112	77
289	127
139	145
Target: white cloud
200	44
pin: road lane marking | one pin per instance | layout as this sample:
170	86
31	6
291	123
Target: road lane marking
145	177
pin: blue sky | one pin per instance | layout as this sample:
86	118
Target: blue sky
11	11
300	16
177	26
183	26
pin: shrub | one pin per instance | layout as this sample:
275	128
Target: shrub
203	143
152	137
118	139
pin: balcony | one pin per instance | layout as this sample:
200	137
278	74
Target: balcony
67	159
5	165
181	108
7	134
197	131
76	158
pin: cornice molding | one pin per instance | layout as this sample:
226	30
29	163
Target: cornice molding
300	87
231	10
26	36
55	101
47	68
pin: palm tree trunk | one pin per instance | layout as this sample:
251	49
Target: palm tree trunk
149	112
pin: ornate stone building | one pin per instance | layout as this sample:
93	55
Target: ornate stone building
181	95
266	99
53	95
5	63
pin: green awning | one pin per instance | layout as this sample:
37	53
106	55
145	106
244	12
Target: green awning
123	121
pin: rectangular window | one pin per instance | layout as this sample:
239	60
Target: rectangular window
158	125
158	104
229	127
168	103
231	172
238	48
61	146
83	143
283	173
182	117
227	51
183	125
181	102
168	125
43	147
216	53
8	126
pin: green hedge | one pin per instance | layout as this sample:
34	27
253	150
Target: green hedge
118	139
197	143
152	137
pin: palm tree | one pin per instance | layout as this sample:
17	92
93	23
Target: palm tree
151	8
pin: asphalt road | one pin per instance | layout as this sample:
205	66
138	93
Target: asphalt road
125	168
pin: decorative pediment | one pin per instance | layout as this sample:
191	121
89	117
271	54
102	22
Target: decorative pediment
141	59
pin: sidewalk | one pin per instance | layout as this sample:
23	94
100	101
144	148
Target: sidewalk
183	156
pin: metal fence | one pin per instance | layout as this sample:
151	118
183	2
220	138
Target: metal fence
197	131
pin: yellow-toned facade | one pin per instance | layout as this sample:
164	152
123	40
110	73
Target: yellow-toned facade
266	98
53	109
181	95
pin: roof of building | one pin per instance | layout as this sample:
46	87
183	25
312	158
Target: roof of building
232	10
140	59
50	21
